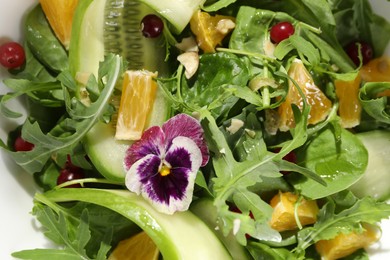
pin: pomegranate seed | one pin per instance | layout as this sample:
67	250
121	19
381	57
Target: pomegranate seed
281	31
68	175
12	55
352	50
70	172
21	145
151	26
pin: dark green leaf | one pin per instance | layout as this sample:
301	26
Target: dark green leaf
339	161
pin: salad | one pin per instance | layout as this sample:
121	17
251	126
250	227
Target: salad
202	129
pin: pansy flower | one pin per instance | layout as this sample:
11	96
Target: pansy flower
163	164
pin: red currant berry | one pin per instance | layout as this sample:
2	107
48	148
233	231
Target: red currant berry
12	55
21	145
151	26
67	174
281	31
352	50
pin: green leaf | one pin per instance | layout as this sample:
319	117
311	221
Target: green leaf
340	161
40	92
63	230
44	254
215	71
69	133
375	105
218	5
234	177
306	49
262	251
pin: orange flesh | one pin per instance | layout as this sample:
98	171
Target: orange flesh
350	108
283	216
60	13
319	103
138	95
204	26
345	244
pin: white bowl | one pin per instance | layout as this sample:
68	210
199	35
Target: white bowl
18	229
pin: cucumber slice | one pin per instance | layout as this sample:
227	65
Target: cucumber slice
105	152
207	212
112	26
179	236
122	35
375	179
86	49
178	13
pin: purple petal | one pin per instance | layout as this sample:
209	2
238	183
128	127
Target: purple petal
141	172
151	142
172	192
161	189
185	125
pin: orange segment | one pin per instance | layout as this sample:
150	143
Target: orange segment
377	70
138	94
283	216
210	30
319	103
59	13
138	247
345	244
350	108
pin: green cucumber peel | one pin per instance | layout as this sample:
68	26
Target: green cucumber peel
179	236
204	208
86	48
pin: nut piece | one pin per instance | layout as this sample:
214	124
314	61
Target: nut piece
187	44
190	61
224	26
235	125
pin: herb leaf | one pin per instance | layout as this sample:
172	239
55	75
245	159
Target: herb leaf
59	231
73	129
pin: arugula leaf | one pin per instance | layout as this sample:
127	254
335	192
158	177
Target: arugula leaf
216	73
233	178
62	232
253	25
329	224
40	92
373	103
47	145
262	251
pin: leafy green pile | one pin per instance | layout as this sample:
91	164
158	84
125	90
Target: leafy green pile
245	167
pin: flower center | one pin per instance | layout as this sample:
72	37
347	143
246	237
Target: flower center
165	170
